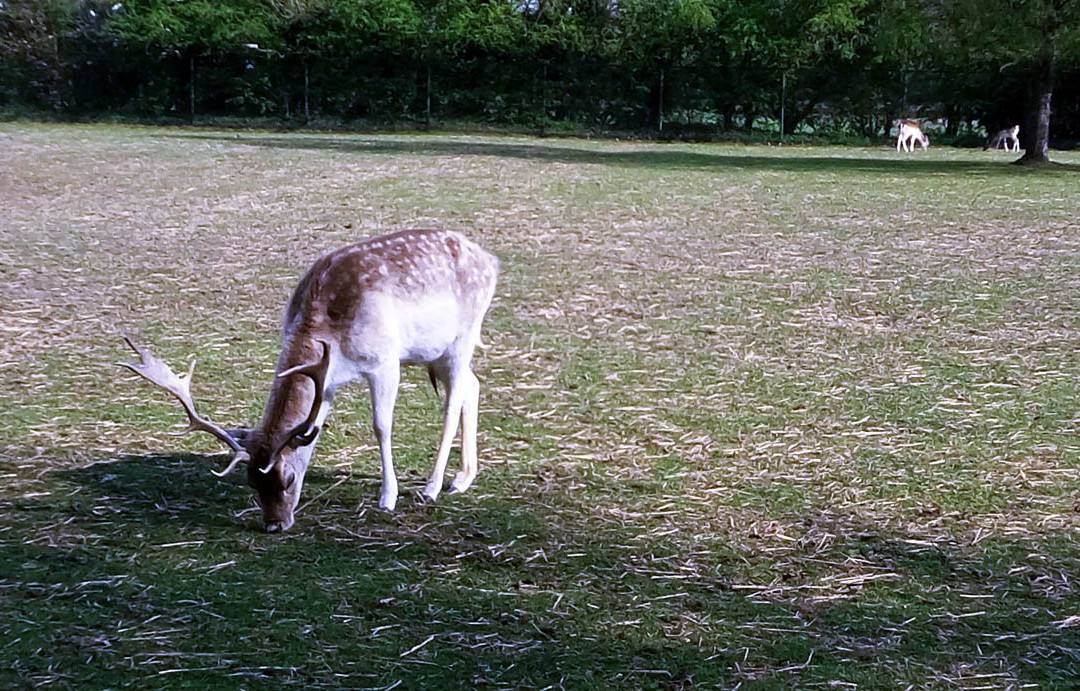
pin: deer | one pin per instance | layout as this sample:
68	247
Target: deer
909	133
1008	138
413	297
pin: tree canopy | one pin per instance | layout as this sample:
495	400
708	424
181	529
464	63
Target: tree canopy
702	65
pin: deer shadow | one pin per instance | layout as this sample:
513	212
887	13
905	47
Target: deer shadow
166	489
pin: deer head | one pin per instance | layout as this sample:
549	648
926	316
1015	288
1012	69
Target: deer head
276	463
281	449
412	297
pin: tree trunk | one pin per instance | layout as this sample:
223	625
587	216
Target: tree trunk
890	118
952	120
307	112
797	115
728	111
1037	109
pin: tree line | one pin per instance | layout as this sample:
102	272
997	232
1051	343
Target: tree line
675	67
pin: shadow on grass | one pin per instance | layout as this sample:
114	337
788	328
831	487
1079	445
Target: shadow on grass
789	161
176	490
150	576
999	609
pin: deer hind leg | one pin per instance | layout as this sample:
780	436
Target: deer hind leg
469	414
456	391
384	389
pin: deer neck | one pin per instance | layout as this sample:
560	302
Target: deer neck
291	397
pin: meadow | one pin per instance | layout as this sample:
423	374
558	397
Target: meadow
756	417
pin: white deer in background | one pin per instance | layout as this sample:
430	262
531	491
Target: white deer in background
361	312
909	133
1009	138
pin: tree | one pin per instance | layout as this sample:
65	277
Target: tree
1034	37
661	34
805	48
822	41
192	29
31	64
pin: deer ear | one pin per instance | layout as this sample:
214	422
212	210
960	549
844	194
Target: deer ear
252	440
241	434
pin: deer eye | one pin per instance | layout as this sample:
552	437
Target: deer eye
303	438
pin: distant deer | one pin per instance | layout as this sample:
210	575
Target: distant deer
909	133
1009	138
360	312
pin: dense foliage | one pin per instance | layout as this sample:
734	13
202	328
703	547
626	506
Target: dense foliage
849	66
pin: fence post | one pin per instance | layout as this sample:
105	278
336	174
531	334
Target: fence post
427	99
543	98
191	86
660	106
307	113
783	103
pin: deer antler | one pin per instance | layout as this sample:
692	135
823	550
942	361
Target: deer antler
155	371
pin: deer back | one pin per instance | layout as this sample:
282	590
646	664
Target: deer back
408	296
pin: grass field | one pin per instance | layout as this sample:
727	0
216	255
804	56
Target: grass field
769	417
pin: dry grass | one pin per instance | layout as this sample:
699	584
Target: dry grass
778	417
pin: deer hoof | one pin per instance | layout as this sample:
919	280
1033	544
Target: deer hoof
461	483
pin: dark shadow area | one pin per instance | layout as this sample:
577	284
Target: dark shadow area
965	609
665	160
173	489
517	588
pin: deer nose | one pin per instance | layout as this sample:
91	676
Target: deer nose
278	526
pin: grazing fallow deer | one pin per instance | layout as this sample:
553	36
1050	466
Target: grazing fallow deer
909	133
411	297
1009	138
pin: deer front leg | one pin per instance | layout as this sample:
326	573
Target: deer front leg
383	384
